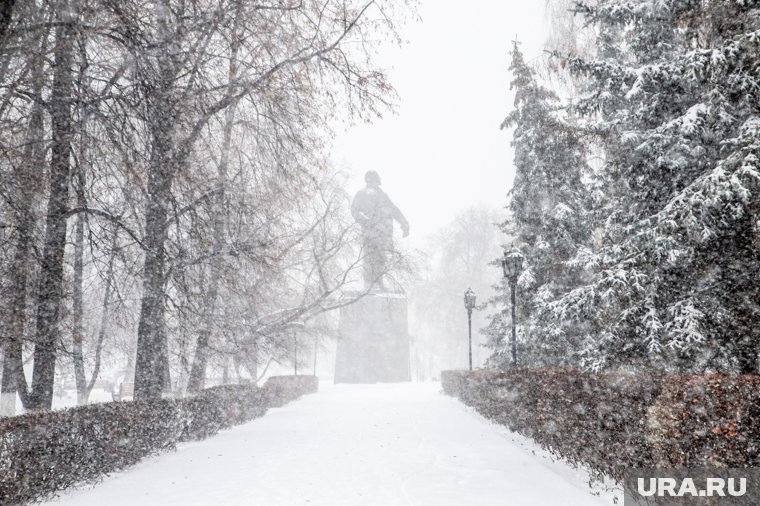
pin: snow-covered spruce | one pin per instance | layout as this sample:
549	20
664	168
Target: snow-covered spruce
671	102
549	220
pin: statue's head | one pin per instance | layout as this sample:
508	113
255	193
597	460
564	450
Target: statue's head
372	179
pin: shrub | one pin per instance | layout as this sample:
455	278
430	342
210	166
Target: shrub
597	419
710	420
41	453
279	390
46	452
221	407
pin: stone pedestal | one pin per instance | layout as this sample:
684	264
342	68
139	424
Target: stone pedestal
373	340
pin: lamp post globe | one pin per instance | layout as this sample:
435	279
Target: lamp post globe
512	263
469	305
469	300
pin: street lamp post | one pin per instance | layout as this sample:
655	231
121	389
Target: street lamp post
512	264
295	326
469	304
316	344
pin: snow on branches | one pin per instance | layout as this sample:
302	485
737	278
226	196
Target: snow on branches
664	252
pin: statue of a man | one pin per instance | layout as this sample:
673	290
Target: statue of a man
375	212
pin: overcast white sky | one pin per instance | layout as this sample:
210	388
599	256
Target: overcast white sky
443	151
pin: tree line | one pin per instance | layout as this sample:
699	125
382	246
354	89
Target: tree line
636	191
166	188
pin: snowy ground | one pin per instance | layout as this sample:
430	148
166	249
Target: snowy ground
357	445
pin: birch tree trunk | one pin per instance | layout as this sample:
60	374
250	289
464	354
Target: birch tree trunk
14	381
200	359
50	294
77	309
152	361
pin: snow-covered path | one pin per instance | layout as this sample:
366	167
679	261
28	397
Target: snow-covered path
357	445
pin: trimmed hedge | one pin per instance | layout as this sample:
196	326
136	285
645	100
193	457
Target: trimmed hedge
46	452
593	419
614	422
222	407
710	420
41	453
279	390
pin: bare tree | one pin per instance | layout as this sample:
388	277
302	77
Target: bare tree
198	371
314	45
459	260
198	133
50	290
26	159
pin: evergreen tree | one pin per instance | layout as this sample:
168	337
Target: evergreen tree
548	220
674	101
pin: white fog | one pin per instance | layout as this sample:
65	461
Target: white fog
379	252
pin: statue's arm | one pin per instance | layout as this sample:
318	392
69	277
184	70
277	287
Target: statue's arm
399	217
